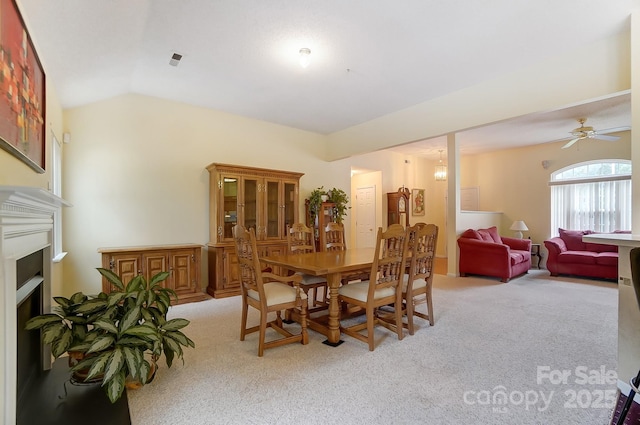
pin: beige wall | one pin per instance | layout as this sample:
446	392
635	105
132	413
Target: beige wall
135	173
514	182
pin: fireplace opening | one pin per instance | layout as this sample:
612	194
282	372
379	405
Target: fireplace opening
29	299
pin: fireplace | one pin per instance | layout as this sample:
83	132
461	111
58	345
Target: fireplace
30	358
26	227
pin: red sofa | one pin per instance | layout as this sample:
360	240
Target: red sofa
569	255
484	252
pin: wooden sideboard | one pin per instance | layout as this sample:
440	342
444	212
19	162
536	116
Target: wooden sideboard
261	199
182	261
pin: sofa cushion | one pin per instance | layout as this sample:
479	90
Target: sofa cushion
573	239
471	234
577	257
607	259
517	257
490	234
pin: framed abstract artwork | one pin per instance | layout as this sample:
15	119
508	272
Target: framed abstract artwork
417	202
22	90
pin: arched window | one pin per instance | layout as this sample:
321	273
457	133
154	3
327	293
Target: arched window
594	195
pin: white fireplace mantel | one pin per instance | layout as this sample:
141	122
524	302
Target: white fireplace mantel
26	226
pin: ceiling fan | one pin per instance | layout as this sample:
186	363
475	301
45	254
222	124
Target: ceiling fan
583	132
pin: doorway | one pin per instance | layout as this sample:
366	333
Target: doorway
365	217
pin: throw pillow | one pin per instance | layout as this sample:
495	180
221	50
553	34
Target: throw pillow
573	239
490	234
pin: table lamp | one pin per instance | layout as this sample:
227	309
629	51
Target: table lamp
519	227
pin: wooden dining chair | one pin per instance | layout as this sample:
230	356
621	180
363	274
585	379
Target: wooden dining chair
417	284
267	293
332	239
383	288
300	239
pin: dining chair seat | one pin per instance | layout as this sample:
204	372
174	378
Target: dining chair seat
360	291
276	293
417	283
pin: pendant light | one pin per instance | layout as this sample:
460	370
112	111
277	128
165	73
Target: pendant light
441	170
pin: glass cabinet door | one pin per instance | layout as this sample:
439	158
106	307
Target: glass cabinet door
250	206
290	205
230	206
273	206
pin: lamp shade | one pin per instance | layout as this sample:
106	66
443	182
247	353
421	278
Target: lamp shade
519	227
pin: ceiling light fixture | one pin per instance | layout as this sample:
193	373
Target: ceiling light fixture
305	57
441	170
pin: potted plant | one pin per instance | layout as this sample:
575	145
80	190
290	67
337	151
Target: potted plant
118	336
335	196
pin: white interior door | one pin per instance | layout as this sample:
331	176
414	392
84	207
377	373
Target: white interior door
365	217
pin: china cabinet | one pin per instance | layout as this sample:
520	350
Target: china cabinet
261	199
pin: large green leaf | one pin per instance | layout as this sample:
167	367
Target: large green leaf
168	353
175	324
113	278
135	284
148	332
156	279
145	368
91	306
115	364
141	297
78	320
130	319
115	298
101	343
151	298
78	298
40	321
159	318
52	331
98	365
132	341
106	325
173	345
62	302
115	387
62	344
79	332
180	338
132	356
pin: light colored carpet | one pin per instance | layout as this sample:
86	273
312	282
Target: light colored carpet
489	339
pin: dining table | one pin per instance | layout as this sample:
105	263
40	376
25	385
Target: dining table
333	265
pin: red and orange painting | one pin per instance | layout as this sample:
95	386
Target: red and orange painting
22	90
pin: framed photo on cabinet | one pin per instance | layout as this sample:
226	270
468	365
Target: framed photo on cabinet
22	91
417	202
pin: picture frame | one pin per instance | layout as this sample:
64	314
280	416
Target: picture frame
417	202
22	90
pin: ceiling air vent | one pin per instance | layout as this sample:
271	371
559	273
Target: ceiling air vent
175	59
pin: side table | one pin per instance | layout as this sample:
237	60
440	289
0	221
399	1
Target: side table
535	252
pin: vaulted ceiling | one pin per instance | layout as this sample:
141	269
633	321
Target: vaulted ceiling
368	57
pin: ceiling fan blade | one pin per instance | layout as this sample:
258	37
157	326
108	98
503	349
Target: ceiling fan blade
614	129
568	145
603	137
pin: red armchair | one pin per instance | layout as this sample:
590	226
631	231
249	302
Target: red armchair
485	252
